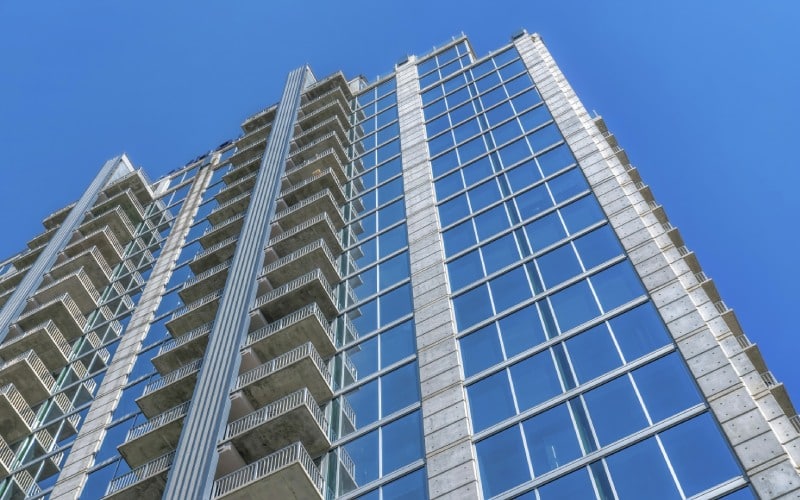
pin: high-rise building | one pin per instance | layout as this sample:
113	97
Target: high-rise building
447	283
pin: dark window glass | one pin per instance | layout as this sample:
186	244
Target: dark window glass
535	380
551	439
490	401
615	410
521	330
617	285
640	471
574	305
598	246
593	353
575	485
480	350
661	403
639	331
472	307
502	463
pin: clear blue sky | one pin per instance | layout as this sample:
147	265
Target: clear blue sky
705	97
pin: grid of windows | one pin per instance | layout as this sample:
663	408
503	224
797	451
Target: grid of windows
561	351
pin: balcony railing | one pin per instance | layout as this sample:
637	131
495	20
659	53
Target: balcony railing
146	471
269	466
280	299
71	323
46	339
157	421
329	158
291	331
301	260
303	234
324	198
171	377
18	420
29	375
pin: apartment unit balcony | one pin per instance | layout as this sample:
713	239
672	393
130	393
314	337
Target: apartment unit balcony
249	150
255	135
213	255
114	219
297	172
333	88
22	485
317	129
45	339
311	150
243	185
204	283
242	170
16	416
194	315
222	231
28	257
292	331
105	241
310	288
288	474
301	367
295	417
321	112
183	350
10	281
29	375
154	438
230	208
43	238
135	181
58	217
315	255
92	262
320	180
126	201
79	287
146	481
7	460
259	119
4	296
319	226
169	391
322	202
64	313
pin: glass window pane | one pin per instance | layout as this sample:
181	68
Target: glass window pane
364	402
408	487
394	270
464	270
558	265
575	485
555	159
490	401
364	453
544	137
593	353
640	471
581	213
399	388
477	171
502	463
699	454
535	380
535	118
472	307
545	231
459	237
567	185
661	403
614	410
533	201
491	222
395	304
574	305
521	330
551	439
510	289
639	331
480	350
598	246
483	195
617	285
499	253
514	152
523	175
397	343
448	185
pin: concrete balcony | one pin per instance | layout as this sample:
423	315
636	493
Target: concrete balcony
103	239
298	172
42	239
310	288
312	150
315	255
323	93
29	375
295	417
301	367
178	352
243	185
204	283
222	231
230	208
48	342
16	416
4	296
28	257
194	315
322	202
319	226
318	181
214	255
79	287
259	119
169	391
58	217
135	181
254	136
318	113
125	200
154	438
249	150
91	261
10	281
317	129
7	461
304	325
146	481
115	219
242	170
288	474
22	485
64	313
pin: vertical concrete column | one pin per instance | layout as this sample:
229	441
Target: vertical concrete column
192	473
33	278
449	454
753	421
81	458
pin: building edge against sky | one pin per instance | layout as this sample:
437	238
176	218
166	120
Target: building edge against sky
147	332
